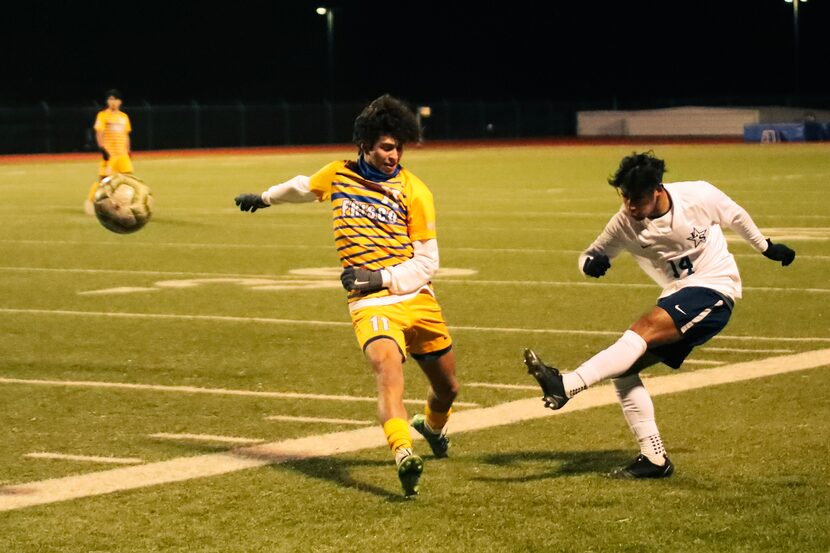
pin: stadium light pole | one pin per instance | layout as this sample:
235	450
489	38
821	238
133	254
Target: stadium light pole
329	13
796	69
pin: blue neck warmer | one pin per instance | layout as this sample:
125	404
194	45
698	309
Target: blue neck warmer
370	173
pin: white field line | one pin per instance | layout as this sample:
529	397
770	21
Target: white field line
132	272
118	290
702	362
85	458
196	390
566	283
444	280
188	245
267	320
218	246
289	418
201	466
579	252
745	350
494	386
206	438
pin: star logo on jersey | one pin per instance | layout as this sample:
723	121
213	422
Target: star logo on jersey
698	236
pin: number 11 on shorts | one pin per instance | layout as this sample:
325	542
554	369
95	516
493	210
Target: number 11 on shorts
378	322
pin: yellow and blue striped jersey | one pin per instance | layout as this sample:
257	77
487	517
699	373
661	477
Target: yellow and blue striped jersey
374	223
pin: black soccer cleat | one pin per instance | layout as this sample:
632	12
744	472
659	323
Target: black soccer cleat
549	378
641	467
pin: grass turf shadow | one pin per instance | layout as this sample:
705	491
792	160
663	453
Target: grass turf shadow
338	471
555	464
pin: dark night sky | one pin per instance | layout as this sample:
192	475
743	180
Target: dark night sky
69	52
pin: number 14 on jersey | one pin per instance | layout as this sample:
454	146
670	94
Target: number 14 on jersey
685	264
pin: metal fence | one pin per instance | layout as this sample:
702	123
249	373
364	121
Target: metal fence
46	128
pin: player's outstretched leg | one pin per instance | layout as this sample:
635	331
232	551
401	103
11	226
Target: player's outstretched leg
410	467
641	467
549	378
437	440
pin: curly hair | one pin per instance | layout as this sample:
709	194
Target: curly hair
385	116
638	174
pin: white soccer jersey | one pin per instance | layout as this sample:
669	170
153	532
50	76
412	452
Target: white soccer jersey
685	247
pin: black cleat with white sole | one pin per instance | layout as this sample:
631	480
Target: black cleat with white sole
642	467
549	378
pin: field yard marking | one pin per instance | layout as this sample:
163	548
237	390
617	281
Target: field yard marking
85	458
117	290
611	285
495	386
745	350
444	280
288	418
702	362
171	316
267	320
215	245
206	438
324	445
188	245
197	390
133	272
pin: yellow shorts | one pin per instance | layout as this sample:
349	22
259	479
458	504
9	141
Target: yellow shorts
116	164
416	325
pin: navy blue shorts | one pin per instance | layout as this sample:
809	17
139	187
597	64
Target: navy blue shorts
699	314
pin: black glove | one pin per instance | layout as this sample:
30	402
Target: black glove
250	202
105	154
779	252
363	280
596	266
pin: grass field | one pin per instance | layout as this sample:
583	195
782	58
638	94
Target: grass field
157	349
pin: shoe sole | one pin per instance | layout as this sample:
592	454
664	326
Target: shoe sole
409	473
623	474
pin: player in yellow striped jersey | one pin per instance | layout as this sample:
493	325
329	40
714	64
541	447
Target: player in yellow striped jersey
384	231
112	134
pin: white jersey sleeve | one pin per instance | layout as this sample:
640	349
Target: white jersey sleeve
727	213
609	243
416	271
293	191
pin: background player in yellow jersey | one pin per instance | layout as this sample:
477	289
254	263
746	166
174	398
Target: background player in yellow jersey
384	231
112	134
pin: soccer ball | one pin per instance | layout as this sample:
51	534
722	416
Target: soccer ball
123	203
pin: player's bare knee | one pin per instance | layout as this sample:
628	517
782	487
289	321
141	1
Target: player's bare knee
382	352
446	391
656	328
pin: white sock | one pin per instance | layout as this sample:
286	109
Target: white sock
638	410
573	384
614	360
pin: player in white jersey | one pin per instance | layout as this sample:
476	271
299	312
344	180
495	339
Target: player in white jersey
674	231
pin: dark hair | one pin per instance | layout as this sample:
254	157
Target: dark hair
385	116
114	93
638	174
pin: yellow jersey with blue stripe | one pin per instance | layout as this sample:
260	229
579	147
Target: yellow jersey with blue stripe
116	127
374	223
